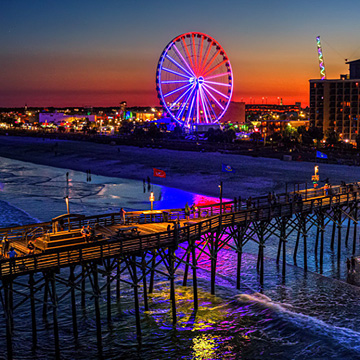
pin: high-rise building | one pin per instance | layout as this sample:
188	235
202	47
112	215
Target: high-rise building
335	104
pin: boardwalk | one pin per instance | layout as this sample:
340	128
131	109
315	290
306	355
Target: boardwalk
150	239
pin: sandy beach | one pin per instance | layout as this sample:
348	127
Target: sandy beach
192	171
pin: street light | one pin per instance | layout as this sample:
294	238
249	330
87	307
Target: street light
67	204
221	194
68	209
152	199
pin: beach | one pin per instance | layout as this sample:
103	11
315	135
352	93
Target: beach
199	172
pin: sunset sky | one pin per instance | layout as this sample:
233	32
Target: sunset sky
76	53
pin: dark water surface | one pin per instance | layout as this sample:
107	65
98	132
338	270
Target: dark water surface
309	316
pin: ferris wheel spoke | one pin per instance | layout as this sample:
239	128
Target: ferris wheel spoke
218	92
176	90
194	53
203	105
200	51
216	83
215	67
216	76
211	61
187	51
183	60
178	65
183	105
176	73
191	106
213	97
207	52
197	108
209	105
179	98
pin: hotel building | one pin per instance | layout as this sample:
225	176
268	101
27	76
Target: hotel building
335	104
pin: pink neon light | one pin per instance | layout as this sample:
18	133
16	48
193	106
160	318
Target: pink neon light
210	87
222	108
182	58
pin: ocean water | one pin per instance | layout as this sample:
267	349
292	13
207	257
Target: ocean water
307	316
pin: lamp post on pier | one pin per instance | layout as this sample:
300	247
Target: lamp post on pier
152	199
68	209
221	195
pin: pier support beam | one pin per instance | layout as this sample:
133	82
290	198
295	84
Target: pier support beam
152	272
172	284
96	291
46	293
297	243
339	238
283	239
347	232
73	302
355	227
304	230
108	290
33	311
143	268
8	316
83	272
118	279
322	231
214	246
194	264
186	270
136	296
333	231
55	318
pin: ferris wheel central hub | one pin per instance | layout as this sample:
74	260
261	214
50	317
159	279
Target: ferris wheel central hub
200	80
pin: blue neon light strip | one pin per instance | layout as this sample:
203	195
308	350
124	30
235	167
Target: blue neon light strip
218	92
216	76
203	106
216	83
183	60
180	97
178	65
183	106
220	106
176	90
175	72
191	106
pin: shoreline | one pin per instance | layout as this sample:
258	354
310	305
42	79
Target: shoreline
198	172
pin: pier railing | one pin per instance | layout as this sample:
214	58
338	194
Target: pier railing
116	246
202	211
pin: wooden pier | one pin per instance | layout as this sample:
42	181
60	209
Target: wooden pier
149	242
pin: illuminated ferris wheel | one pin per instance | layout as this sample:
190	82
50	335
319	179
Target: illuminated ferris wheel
194	80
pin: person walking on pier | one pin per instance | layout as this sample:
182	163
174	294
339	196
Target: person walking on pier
187	211
31	248
12	255
326	189
122	215
6	245
85	234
